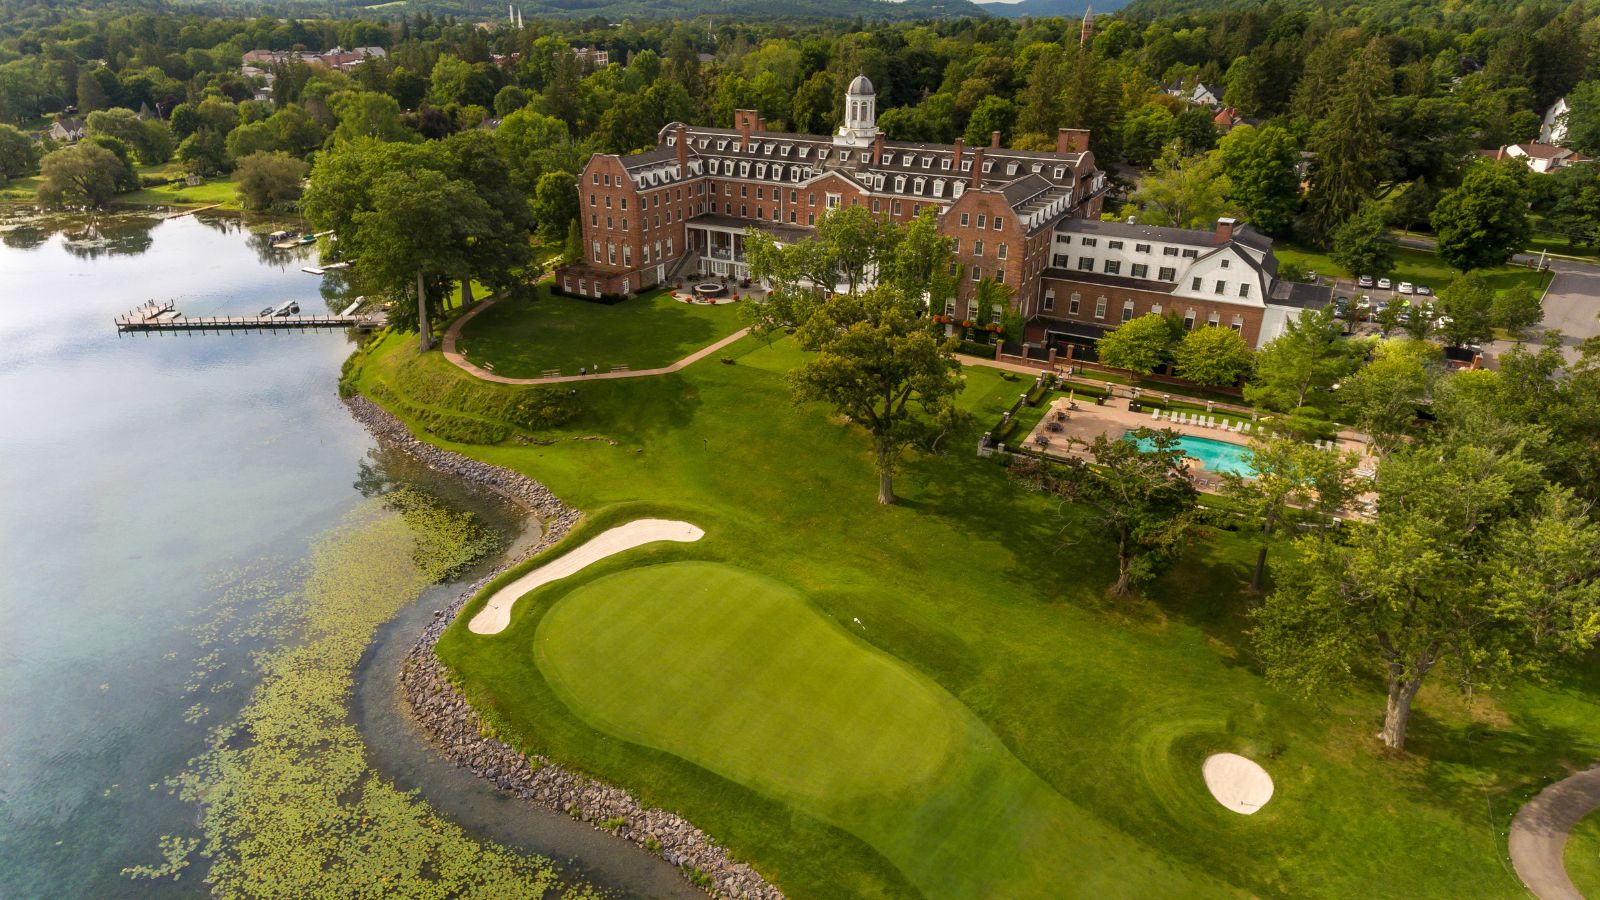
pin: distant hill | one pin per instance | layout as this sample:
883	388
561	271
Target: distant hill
1045	9
618	10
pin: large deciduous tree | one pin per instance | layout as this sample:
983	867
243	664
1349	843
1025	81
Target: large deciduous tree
1363	244
1383	397
19	155
1213	356
1183	192
1262	180
1470	565
1139	345
84	175
1143	499
1484	221
1296	371
1468	306
1294	484
270	180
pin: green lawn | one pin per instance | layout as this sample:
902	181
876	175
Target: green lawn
1080	722
20	190
522	339
215	190
1415	266
1583	856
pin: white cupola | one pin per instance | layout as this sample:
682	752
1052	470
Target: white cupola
860	114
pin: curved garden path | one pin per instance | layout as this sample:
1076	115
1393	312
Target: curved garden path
1539	834
453	334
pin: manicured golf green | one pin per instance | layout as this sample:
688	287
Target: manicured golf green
526	338
993	597
737	673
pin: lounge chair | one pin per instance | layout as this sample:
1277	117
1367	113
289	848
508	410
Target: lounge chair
1244	427
1211	421
1155	415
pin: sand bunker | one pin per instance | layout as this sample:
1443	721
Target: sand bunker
496	614
1237	783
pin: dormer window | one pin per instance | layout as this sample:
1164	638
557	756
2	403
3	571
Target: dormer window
786	149
805	152
988	166
888	159
844	156
672	141
767	148
899	184
1061	171
944	165
966	165
1035	168
1011	168
722	145
744	169
917	185
960	188
938	187
927	161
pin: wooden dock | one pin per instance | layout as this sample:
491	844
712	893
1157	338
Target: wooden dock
163	317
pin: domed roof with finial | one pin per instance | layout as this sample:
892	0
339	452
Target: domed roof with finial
860	86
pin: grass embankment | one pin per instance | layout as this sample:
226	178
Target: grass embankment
524	339
215	191
988	597
1415	266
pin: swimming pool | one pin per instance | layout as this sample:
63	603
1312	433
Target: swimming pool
1215	456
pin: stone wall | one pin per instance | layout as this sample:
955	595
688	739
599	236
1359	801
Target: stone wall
456	730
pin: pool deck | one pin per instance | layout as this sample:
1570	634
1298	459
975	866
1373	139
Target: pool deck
1088	421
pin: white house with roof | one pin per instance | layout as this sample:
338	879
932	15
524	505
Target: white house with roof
1553	130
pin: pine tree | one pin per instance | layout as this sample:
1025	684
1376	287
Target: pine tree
1348	143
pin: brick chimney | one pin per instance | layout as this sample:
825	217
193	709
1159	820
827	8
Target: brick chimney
877	147
994	139
683	150
745	121
1225	228
1072	140
955	164
761	123
977	167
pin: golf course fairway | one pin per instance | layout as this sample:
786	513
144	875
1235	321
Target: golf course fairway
738	674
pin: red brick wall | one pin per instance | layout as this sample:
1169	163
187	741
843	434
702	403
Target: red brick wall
1143	303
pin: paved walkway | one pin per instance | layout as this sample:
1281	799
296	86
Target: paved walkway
453	334
1539	834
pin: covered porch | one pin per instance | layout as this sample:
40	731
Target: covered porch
717	244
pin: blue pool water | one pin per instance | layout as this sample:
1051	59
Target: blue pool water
1216	456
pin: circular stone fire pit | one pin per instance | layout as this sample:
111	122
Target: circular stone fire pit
709	289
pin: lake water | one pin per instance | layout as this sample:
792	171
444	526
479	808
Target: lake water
136	473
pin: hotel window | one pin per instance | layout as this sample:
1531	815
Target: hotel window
811	218
1089	241
1000	253
608	203
760	213
1127	310
1188	320
981	217
1063	238
776	215
897	207
1072	303
761	193
1196	284
595	176
1191	254
1049	301
583	285
812	199
1114	245
627	255
1140	270
833	201
744	190
669	246
594	219
1221	288
1238	324
591	200
1244	289
1169	251
1000	275
744	211
1225	263
965	221
624	202
624	223
596	251
610	223
611	253
994	314
877	205
1086	264
999	223
1167	274
1113	267
1214	318
646	251
955	245
977	248
1155	309
1141	248
977	273
794	196
1100	308
608	178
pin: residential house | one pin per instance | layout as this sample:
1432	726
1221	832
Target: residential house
1542	158
1553	130
68	130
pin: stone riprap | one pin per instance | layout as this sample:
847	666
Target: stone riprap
455	728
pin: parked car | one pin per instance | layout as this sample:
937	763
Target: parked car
1364	281
1406	287
1363	308
1384	284
1424	291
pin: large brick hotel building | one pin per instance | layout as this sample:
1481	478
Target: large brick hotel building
1027	218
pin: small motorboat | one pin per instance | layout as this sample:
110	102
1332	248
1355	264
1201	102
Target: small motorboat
287	308
308	239
271	310
277	236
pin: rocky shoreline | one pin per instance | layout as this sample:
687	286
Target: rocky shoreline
456	730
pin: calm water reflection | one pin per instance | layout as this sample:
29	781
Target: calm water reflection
135	473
